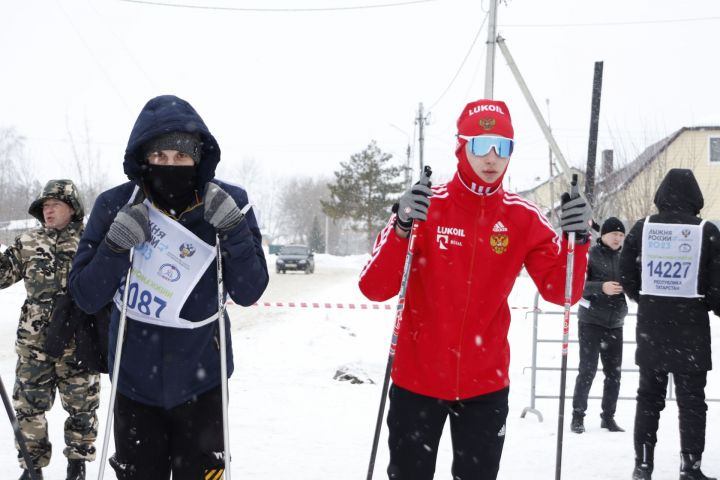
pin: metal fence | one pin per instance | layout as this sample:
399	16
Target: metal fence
535	368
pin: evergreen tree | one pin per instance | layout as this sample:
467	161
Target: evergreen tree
363	190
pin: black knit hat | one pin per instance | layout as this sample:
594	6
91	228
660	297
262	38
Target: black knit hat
612	224
181	141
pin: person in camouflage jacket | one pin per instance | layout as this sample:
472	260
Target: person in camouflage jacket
42	258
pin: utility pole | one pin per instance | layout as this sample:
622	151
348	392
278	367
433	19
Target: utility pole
552	175
534	108
420	121
408	155
408	167
490	56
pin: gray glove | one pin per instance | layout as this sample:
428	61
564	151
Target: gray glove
221	211
413	204
129	229
575	215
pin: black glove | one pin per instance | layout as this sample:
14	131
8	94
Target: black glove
413	205
575	216
61	327
130	228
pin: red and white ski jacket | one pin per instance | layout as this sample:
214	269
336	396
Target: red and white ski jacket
453	336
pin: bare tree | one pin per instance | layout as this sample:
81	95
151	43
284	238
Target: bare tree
629	192
17	180
267	199
18	185
262	189
88	174
300	204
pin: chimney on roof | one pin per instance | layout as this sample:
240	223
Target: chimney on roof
607	162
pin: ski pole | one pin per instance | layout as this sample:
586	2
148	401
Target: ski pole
116	369
223	350
223	359
425	180
19	437
566	333
138	197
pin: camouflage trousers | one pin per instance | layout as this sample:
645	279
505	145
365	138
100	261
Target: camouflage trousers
34	394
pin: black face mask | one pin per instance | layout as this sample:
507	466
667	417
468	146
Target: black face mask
172	188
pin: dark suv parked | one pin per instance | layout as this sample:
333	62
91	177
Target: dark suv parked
295	257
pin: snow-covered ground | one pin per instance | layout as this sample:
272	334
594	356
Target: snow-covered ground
290	419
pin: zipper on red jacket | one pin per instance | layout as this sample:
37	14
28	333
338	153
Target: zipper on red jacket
465	310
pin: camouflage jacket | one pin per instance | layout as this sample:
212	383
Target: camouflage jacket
41	258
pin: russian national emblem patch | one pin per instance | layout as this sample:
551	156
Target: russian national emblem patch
487	123
499	242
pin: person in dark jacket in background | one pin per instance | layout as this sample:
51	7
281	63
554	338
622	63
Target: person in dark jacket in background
670	265
169	407
601	316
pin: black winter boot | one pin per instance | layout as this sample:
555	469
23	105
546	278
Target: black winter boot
76	469
644	461
26	475
690	467
577	425
642	473
608	421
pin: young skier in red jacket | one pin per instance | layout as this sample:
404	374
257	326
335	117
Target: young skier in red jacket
452	354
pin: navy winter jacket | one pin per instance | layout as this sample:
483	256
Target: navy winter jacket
164	366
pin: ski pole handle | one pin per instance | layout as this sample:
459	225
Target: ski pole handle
426	174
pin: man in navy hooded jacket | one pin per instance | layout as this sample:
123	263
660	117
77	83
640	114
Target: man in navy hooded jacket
168	410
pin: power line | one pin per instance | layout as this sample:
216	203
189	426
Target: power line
94	57
108	27
309	9
462	64
609	24
471	85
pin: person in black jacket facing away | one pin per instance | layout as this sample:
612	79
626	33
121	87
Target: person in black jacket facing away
670	265
600	328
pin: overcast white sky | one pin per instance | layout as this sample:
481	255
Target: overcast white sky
301	90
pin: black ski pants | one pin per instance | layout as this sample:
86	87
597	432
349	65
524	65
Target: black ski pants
187	440
607	343
415	424
692	409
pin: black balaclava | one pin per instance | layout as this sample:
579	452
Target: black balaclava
171	188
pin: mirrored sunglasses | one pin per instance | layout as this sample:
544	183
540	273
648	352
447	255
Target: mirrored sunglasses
481	145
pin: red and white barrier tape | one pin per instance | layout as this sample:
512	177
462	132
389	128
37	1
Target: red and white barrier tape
341	306
347	306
